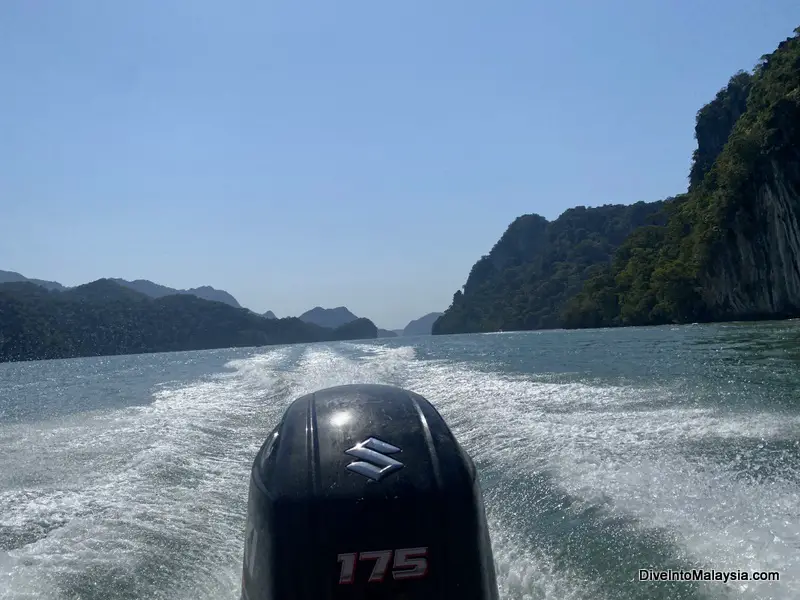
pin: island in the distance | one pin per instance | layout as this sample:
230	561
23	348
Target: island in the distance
727	249
106	318
336	317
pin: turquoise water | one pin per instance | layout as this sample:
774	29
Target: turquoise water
600	453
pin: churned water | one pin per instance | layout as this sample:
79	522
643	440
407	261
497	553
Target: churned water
600	453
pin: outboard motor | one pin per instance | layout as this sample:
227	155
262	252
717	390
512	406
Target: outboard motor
362	493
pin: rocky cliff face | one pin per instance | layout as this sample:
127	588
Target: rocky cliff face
715	122
756	271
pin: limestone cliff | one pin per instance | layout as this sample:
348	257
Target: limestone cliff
752	264
755	272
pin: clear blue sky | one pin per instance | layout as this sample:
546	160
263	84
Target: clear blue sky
354	153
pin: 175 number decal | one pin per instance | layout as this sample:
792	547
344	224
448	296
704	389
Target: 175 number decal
409	563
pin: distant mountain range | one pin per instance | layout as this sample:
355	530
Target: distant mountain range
330	318
105	318
143	286
154	290
12	277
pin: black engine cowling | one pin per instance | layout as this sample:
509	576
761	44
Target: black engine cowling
362	492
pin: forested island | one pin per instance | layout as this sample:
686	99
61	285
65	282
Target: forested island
106	318
726	249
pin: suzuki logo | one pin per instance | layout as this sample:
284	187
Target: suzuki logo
374	463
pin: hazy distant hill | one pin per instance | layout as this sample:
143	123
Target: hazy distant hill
269	315
143	286
360	329
423	325
328	317
12	277
336	317
155	290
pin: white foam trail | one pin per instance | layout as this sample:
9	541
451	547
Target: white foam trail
524	573
167	471
109	490
633	457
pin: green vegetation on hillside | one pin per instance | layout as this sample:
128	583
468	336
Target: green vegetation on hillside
714	124
638	287
104	318
538	265
747	136
573	273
